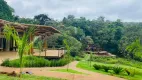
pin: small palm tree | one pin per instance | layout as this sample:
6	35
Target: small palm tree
23	43
68	51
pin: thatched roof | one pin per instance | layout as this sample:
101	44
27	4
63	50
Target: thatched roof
40	30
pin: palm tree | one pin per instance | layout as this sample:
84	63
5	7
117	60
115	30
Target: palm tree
23	43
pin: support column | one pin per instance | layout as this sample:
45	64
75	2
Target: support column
1	43
31	39
7	45
45	45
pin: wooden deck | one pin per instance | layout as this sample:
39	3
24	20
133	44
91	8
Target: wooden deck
7	55
50	53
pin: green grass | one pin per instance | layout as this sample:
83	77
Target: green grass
114	60
68	71
27	77
85	65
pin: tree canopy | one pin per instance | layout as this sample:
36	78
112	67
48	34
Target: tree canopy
6	12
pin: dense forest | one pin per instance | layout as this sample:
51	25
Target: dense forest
120	38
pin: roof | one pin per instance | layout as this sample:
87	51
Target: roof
40	30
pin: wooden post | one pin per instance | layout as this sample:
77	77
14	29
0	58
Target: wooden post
1	43
31	39
45	45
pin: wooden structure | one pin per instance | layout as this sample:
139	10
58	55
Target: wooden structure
41	30
51	54
104	53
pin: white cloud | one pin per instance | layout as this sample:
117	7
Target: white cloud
127	10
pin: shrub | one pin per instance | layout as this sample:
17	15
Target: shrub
77	58
131	72
5	62
106	68
117	69
127	71
32	61
97	66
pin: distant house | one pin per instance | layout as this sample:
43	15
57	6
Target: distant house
104	53
93	47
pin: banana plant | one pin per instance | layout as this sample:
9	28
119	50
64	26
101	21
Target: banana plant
23	44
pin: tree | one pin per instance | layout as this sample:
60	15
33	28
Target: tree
74	44
25	20
130	34
52	41
22	42
42	18
75	32
6	12
86	41
135	50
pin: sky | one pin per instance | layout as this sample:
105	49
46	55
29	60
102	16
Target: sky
126	10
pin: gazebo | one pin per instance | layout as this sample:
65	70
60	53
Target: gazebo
41	30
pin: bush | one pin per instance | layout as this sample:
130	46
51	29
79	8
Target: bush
106	68
127	71
97	66
130	72
117	69
32	61
5	62
77	58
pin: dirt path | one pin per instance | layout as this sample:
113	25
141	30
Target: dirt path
46	71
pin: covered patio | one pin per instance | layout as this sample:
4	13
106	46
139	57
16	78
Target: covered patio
7	47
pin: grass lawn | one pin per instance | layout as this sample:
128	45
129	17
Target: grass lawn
27	77
114	60
85	65
68	71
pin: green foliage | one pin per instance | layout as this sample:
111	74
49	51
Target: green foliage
5	62
32	61
132	32
42	18
25	20
131	72
5	11
117	69
114	60
135	50
73	44
52	41
77	58
123	74
106	68
97	66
